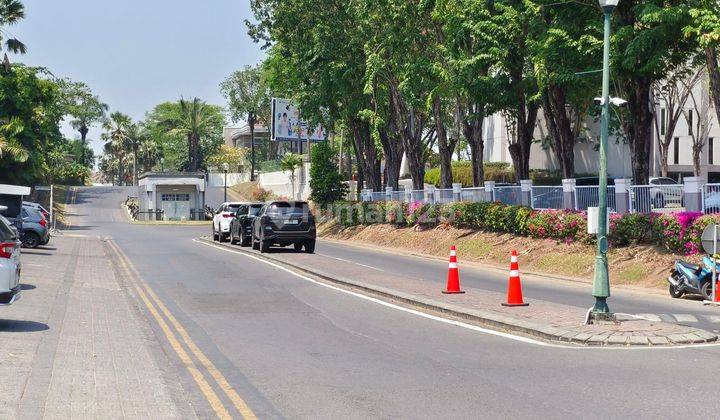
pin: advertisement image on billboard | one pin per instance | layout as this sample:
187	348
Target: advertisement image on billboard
286	123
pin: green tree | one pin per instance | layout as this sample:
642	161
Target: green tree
248	99
290	164
648	44
326	183
30	103
9	146
234	157
11	12
84	108
705	29
567	42
116	137
317	61
194	120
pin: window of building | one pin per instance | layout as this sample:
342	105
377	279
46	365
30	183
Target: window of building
711	151
676	151
690	122
663	121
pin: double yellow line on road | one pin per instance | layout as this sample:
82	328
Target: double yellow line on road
157	309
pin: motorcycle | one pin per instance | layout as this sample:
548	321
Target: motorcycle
686	278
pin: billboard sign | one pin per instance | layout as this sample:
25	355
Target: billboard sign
287	126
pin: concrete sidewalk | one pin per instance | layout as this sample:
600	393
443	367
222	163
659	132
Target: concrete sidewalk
541	319
76	345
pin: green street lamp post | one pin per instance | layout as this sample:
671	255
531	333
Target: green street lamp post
601	282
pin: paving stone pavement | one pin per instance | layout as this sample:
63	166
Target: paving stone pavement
77	346
549	321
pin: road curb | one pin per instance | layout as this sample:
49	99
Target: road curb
490	319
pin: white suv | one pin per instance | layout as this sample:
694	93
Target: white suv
221	221
9	263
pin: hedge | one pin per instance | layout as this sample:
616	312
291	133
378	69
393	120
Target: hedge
678	232
494	171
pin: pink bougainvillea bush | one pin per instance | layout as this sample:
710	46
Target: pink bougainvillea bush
678	232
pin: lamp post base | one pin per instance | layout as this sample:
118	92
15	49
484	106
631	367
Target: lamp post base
601	312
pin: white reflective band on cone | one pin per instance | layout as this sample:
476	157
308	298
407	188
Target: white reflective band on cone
514	273
513	258
453	253
452	265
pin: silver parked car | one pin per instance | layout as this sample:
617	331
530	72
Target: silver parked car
9	263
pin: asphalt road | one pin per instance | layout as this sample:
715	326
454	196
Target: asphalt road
295	349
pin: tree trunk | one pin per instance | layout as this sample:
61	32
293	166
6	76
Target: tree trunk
714	75
639	128
560	128
393	151
697	155
251	123
445	149
366	154
472	129
135	174
410	127
525	127
664	152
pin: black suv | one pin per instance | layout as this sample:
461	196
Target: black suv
283	223
241	224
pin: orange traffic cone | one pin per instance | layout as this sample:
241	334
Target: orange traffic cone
453	281
515	297
717	291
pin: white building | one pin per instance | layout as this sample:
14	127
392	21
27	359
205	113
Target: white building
680	160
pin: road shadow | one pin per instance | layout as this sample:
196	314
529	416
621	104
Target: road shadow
30	252
47	248
20	326
27	286
284	251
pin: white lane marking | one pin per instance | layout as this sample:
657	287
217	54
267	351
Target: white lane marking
351	262
685	318
713	318
521	339
649	317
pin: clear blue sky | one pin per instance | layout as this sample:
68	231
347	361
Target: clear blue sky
135	54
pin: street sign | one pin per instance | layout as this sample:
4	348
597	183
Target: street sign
709	239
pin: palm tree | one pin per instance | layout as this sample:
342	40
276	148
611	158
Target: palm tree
11	12
290	163
116	139
9	146
191	122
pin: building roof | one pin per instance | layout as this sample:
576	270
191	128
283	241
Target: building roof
14	189
172	175
245	131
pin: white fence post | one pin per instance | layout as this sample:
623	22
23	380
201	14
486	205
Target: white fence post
526	198
430	194
568	193
490	191
622	195
457	191
691	193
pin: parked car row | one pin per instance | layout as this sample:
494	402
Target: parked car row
262	225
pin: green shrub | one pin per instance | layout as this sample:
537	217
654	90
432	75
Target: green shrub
634	228
562	225
462	173
326	183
